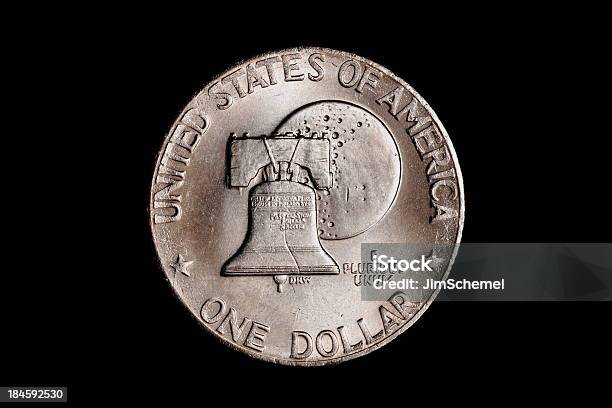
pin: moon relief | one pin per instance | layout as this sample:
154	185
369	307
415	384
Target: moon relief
365	166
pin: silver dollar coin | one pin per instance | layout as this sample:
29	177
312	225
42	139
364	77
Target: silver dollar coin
270	181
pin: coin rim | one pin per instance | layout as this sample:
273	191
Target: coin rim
427	304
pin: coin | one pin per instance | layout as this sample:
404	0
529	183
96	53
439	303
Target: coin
270	181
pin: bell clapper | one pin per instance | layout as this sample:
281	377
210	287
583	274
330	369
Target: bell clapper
280	279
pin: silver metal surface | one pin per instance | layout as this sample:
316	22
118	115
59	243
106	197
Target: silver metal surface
272	178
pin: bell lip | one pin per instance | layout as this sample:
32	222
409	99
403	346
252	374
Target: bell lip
282	270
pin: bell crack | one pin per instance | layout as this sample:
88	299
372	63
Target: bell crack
280	279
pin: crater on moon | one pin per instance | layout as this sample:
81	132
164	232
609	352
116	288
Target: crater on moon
365	166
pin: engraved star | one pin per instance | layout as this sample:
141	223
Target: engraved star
181	265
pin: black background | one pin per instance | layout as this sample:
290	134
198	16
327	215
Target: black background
90	308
